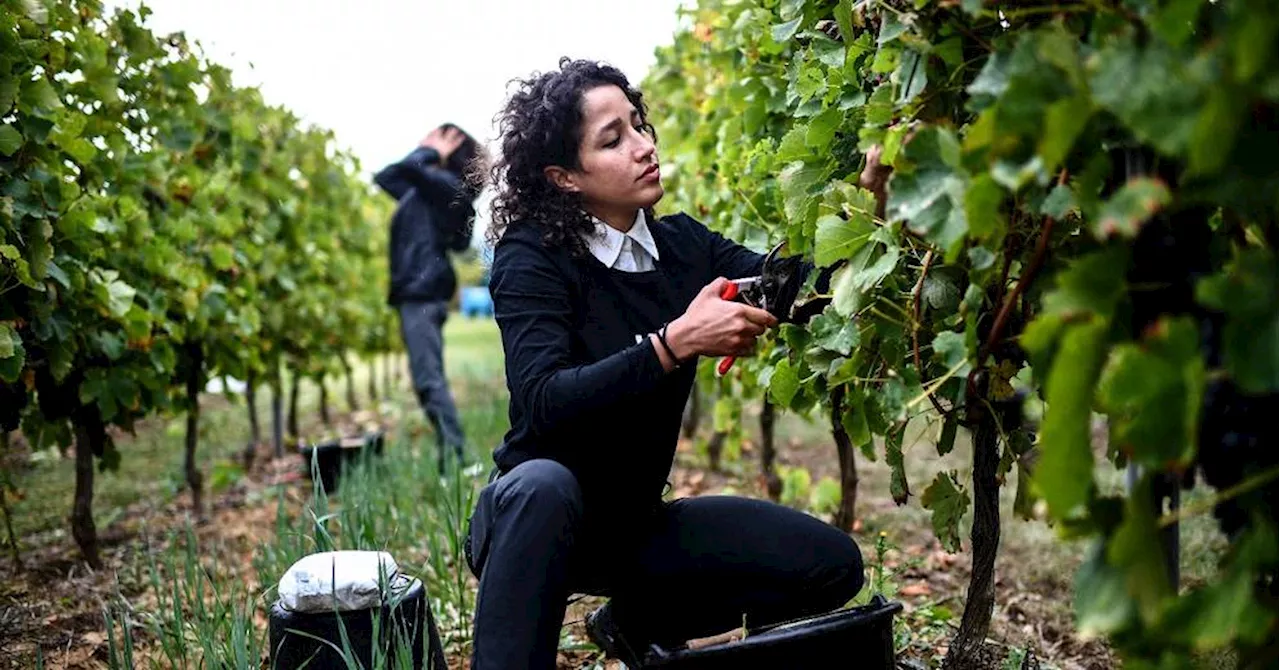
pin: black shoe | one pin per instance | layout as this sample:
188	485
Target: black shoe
603	631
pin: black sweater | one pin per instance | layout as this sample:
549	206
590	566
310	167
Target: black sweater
433	215
584	391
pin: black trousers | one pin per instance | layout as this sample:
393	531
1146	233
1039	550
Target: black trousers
690	568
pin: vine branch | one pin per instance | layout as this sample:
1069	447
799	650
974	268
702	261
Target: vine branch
915	326
915	307
1029	273
1206	504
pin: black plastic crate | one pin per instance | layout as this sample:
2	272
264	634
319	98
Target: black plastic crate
333	456
307	639
860	637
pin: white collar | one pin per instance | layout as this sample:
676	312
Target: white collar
606	241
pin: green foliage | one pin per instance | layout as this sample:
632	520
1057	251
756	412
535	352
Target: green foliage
158	223
1032	145
946	498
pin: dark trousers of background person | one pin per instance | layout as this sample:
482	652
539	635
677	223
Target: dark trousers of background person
689	568
422	325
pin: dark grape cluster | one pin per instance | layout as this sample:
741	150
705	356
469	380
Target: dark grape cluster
13	399
1237	438
1237	441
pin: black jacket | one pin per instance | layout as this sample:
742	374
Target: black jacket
434	215
587	388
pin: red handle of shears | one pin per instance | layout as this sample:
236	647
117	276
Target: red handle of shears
729	292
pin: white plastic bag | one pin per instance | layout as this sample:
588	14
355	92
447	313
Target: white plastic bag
345	581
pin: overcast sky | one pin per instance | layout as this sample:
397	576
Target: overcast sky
381	73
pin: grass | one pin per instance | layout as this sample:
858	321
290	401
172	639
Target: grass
151	468
186	601
207	613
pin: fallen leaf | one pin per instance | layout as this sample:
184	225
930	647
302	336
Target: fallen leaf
915	590
942	559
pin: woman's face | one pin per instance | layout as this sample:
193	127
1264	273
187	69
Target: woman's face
618	171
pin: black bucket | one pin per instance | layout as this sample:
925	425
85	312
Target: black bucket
333	456
859	637
307	639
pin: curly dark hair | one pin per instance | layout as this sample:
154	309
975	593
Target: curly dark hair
541	126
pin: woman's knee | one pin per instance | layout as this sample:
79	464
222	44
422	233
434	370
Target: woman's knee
536	502
844	569
541	485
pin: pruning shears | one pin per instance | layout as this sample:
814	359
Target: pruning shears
773	290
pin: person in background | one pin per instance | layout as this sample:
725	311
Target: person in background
434	215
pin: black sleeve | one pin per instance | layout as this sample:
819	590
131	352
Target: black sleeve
534	311
728	258
420	170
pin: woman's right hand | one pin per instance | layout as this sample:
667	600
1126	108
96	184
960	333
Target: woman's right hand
713	326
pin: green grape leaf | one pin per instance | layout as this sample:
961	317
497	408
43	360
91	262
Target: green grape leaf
829	52
951	349
11	365
783	32
898	487
948	502
835	333
911	76
854	418
1131	549
929	190
792	8
39	99
1102	603
1059	202
844	19
982	201
1165	370
822	129
947	438
941	291
10	140
1246	291
1064	475
785	383
222	257
838	239
1064	120
1133	82
10	341
801	187
891	27
1090	284
1125	212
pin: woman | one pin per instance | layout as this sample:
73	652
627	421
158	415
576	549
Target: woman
604	311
